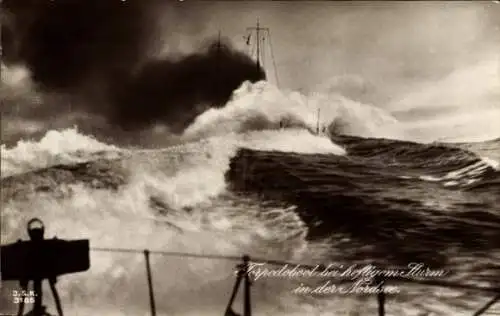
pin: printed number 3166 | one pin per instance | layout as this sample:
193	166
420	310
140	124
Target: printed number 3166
26	300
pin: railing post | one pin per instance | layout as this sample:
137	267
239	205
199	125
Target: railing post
247	308
150	284
380	295
241	275
487	306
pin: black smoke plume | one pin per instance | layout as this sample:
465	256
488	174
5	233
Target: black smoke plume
67	42
71	45
177	91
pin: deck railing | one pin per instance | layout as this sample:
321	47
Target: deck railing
243	271
40	259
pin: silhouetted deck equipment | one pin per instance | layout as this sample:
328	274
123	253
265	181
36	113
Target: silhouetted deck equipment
39	259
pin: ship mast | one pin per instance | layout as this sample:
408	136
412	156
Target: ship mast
218	43
259	31
261	34
218	63
317	122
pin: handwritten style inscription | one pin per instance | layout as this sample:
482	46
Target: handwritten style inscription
364	279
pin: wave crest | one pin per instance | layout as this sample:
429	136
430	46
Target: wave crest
261	106
56	147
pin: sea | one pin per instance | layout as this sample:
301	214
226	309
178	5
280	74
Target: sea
278	175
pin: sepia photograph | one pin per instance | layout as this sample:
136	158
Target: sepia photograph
250	158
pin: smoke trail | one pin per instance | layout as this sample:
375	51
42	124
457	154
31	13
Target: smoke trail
101	51
67	42
176	91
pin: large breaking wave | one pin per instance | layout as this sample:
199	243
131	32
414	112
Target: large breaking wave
262	106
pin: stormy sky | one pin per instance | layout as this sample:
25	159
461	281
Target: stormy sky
118	68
